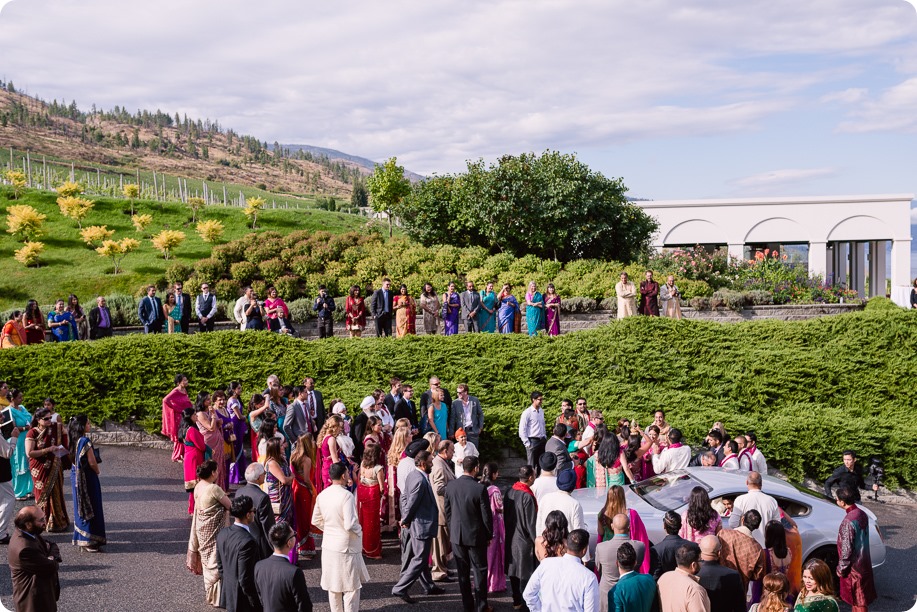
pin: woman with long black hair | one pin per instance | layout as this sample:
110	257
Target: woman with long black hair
88	519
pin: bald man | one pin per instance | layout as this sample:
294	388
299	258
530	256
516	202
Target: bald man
33	563
606	557
723	584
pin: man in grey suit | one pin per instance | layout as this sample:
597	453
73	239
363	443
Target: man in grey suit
558	448
419	524
298	419
471	305
466	413
314	403
260	527
440	476
606	556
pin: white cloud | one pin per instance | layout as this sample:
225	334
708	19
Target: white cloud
893	109
437	83
847	96
780	178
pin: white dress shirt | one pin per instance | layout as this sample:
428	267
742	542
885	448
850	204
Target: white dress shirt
562	584
544	484
758	462
531	425
672	459
755	499
560	500
469	450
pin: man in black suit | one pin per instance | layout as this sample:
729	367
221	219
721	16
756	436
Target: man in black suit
392	398
381	308
664	551
314	402
723	584
237	553
99	320
281	585
419	524
264	513
184	306
150	312
470	530
406	409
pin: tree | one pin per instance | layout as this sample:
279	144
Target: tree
195	204
167	240
75	208
253	205
141	221
359	198
25	222
96	234
387	188
117	250
29	254
69	189
17	180
131	192
210	231
552	206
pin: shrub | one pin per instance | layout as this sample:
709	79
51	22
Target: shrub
24	222
141	222
733	300
95	234
209	270
123	310
227	291
75	208
178	273
578	304
69	189
117	251
288	287
196	204
243	271
301	310
881	304
271	269
210	230
759	298
252	207
609	304
29	254
229	253
18	180
167	241
691	288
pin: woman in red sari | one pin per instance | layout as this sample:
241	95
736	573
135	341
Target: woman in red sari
370	489
302	460
173	405
405	313
355	313
43	444
34	323
196	452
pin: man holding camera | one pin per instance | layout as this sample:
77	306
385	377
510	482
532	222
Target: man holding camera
324	306
849	474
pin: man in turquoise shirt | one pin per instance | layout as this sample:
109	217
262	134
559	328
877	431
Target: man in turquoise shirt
634	592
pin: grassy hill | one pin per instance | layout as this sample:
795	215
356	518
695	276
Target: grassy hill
70	266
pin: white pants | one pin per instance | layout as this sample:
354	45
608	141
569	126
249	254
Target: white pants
345	602
7	507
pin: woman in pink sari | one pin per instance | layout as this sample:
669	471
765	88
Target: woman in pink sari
196	452
211	426
172	406
552	310
496	578
276	310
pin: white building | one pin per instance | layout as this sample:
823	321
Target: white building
846	237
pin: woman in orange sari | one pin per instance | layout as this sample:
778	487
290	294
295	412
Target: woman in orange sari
405	313
302	460
45	444
13	333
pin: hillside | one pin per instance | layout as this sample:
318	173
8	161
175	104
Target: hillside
367	164
168	144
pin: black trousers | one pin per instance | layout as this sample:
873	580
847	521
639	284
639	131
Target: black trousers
384	324
471	564
325	327
534	452
153	328
518	586
205	327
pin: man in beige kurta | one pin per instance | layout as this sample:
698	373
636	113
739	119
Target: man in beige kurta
680	590
440	476
627	297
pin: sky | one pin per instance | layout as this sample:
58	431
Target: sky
680	98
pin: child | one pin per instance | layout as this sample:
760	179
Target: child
579	466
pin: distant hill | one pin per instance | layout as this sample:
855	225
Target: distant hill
332	154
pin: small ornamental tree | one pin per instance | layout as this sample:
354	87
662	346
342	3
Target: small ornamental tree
94	235
210	231
17	180
195	204
25	222
69	189
387	188
131	192
251	210
167	240
117	251
28	255
75	208
141	221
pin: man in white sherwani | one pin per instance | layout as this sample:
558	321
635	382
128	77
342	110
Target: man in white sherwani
343	569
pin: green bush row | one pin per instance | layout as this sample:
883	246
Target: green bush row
809	389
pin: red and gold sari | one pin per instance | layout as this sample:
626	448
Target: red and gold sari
48	476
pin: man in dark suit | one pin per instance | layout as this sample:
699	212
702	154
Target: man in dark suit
184	306
237	553
558	447
281	585
724	585
314	402
150	312
419	524
33	563
665	550
99	320
468	513
392	398
298	419
381	308
406	409
466	413
324	306
471	305
264	513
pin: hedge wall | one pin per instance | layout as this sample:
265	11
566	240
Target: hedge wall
810	389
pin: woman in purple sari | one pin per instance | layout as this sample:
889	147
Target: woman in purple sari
496	578
552	310
451	307
237	430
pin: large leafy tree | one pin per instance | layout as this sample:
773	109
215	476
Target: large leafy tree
549	205
387	188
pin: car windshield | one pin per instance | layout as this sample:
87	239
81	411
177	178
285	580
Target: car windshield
668	491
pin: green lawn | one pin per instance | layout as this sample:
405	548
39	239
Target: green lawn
70	266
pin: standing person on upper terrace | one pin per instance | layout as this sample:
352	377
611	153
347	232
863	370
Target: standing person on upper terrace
532	431
849	474
205	307
649	296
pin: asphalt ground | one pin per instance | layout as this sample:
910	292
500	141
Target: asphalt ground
147	524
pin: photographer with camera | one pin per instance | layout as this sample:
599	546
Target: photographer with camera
851	475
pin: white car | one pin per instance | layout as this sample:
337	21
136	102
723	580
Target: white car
816	517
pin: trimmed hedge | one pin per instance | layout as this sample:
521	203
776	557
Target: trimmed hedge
809	389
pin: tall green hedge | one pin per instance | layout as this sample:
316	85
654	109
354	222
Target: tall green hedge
809	389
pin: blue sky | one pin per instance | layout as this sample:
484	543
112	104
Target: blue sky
681	98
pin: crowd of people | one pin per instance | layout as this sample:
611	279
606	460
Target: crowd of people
286	469
390	311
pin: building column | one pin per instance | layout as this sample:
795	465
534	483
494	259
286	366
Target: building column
901	272
840	263
877	268
858	267
736	251
818	258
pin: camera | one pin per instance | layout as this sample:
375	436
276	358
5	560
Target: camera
877	471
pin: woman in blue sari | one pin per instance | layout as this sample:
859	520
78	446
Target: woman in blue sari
509	307
451	306
487	316
534	309
88	519
61	323
19	461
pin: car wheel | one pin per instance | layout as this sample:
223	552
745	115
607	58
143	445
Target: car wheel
828	554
